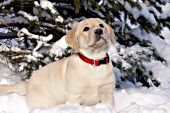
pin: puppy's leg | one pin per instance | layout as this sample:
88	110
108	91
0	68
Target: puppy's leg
106	96
107	99
73	99
38	95
39	99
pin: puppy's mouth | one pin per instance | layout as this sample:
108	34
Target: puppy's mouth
99	39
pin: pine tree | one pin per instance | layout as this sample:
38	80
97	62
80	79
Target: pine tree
132	21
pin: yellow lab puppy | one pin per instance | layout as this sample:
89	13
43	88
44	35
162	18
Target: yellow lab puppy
85	78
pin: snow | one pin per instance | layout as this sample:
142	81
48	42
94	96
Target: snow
28	16
6	2
8	76
47	5
7	49
143	100
166	12
100	3
161	46
58	47
13	103
12	19
41	40
157	67
99	108
24	32
4	30
166	33
136	12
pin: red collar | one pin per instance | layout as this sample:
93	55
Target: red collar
94	62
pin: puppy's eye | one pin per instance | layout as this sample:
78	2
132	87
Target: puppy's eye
86	29
101	25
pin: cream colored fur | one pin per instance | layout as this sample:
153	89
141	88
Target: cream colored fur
71	80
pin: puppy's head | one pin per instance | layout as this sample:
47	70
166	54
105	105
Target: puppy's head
90	34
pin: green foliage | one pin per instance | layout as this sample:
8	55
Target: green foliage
137	72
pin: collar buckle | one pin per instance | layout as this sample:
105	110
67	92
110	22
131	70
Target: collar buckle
96	63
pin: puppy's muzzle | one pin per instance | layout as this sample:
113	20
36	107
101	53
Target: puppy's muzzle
98	32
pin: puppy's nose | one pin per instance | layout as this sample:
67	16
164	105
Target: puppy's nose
98	31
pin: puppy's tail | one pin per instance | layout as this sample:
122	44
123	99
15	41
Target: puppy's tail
16	88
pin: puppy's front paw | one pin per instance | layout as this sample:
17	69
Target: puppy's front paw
108	100
73	99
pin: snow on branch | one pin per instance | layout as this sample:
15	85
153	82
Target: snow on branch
48	25
29	35
28	16
59	46
166	12
41	40
47	5
12	20
100	2
21	21
5	2
4	48
144	11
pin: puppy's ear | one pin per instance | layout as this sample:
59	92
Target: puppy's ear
71	39
111	33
